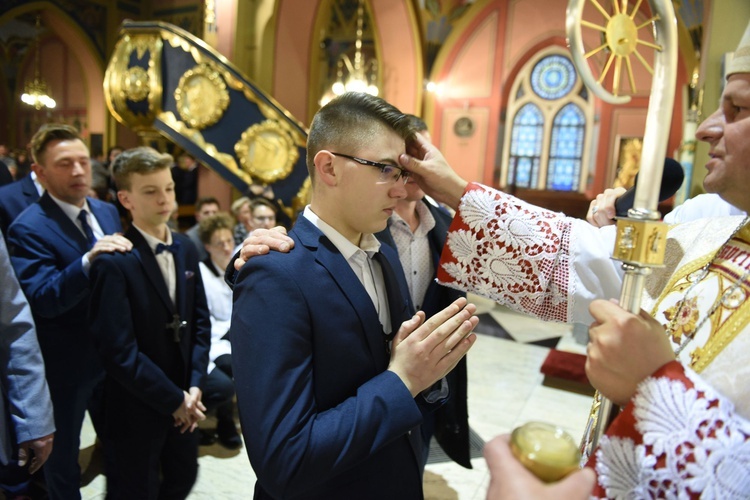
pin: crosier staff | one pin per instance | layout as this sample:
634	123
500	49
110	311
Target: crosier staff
641	237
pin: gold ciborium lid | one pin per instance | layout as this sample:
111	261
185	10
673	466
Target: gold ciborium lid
546	450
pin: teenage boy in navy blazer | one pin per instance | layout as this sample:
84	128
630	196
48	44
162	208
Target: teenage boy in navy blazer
151	328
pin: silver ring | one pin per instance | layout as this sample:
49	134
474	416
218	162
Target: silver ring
593	210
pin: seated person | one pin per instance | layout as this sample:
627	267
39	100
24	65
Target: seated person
215	231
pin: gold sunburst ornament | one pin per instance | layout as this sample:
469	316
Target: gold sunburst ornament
621	38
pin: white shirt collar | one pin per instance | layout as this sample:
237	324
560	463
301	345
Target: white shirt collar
37	184
152	240
369	243
71	210
426	220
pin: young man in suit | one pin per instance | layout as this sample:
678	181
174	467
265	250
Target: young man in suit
52	245
151	328
26	424
330	399
417	229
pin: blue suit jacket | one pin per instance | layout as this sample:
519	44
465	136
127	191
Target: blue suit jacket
46	249
321	415
147	369
25	406
14	198
451	419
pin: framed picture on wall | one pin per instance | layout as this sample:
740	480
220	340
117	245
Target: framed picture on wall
627	160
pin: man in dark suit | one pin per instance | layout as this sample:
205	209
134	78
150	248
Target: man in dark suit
449	423
5	176
15	197
331	391
52	244
152	330
417	230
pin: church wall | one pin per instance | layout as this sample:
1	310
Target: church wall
468	63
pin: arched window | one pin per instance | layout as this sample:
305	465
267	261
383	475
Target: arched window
550	113
526	145
566	149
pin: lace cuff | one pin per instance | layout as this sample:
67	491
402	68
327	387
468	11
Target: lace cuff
512	252
677	438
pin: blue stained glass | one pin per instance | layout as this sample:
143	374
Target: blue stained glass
526	146
566	149
553	77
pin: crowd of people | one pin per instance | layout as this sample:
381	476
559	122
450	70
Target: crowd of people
100	318
344	355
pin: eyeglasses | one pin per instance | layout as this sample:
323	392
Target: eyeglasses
388	172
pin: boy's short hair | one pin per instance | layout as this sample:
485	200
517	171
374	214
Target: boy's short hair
208	226
48	133
348	121
141	160
260	201
417	123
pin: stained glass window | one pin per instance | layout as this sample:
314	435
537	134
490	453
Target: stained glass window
526	146
566	149
549	116
553	77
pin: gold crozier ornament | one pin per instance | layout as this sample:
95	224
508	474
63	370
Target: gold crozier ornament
641	237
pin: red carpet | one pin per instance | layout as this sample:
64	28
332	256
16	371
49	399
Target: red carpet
566	371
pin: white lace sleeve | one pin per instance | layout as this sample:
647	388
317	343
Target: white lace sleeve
533	260
678	438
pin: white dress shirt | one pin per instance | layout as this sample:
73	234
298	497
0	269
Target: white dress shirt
368	271
165	260
72	211
219	298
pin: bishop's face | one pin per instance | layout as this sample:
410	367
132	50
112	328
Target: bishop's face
728	131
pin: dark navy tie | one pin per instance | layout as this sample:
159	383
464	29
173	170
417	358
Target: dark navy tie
83	217
161	247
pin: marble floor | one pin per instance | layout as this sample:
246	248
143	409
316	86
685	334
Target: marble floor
505	390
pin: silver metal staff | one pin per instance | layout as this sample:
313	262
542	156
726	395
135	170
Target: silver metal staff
641	237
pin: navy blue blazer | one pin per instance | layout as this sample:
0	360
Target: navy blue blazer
451	419
147	367
321	415
46	249
14	198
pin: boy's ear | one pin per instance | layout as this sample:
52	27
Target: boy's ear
122	195
325	169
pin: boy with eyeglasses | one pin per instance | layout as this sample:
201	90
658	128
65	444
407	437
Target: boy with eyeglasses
332	369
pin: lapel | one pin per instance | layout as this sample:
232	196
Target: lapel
328	256
180	281
146	257
398	306
60	224
104	217
28	188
